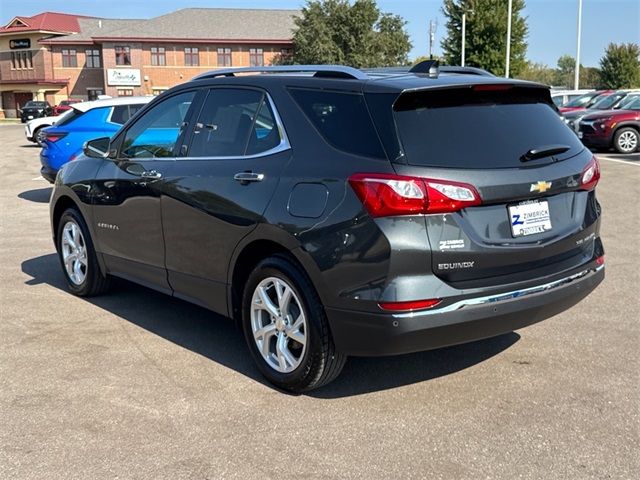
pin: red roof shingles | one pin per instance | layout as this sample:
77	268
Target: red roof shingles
47	21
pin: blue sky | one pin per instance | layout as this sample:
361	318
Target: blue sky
552	23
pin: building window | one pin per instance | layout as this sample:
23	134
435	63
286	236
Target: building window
92	58
69	57
224	57
256	57
191	57
123	55
158	56
125	92
21	60
93	93
158	91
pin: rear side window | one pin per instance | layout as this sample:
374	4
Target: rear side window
122	113
234	123
342	119
463	128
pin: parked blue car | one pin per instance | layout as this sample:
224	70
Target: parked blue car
101	118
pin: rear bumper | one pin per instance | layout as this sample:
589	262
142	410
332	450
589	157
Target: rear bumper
48	173
366	334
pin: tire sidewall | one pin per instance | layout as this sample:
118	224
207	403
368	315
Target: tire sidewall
285	270
619	134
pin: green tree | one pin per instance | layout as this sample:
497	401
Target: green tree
564	74
538	72
486	35
356	34
620	66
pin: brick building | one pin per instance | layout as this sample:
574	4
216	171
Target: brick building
56	56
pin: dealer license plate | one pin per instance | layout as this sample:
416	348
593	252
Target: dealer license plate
529	218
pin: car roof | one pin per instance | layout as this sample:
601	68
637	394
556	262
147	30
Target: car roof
110	102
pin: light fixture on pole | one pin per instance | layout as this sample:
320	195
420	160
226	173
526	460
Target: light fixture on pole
576	77
506	69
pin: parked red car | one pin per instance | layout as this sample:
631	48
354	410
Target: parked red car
65	105
619	129
584	101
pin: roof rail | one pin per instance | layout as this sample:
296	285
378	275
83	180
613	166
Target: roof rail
335	71
466	71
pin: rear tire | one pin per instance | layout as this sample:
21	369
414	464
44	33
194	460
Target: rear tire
78	256
626	140
286	328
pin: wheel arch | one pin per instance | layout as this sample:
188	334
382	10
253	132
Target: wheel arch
624	124
62	203
257	247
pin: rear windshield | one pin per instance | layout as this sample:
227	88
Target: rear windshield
605	103
69	116
462	128
581	101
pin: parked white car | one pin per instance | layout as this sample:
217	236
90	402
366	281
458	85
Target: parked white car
33	130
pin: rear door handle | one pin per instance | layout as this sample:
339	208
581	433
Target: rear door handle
246	177
151	174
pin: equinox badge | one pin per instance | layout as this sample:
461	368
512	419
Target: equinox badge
541	186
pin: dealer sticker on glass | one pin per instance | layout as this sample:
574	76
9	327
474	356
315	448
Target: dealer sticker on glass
529	218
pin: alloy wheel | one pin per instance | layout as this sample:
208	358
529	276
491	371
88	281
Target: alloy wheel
628	141
74	253
279	324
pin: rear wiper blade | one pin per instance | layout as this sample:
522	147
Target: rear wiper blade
544	151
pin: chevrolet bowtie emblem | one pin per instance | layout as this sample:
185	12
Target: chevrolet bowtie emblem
541	186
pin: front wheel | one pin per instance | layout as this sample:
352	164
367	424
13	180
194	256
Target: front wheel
78	256
626	140
286	328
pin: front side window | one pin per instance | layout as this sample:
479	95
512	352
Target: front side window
191	57
155	133
123	55
92	58
234	122
69	57
158	56
224	57
256	57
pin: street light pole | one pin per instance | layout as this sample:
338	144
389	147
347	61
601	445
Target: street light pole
464	31
506	69
576	78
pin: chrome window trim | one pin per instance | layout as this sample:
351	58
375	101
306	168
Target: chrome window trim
501	297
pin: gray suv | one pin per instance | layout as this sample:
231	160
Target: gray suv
333	212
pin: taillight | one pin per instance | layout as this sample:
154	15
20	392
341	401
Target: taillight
54	136
386	195
409	306
590	175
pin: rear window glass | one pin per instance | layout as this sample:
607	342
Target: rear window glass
342	119
122	113
485	129
69	116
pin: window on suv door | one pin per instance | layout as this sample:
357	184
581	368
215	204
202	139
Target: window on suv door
155	133
234	122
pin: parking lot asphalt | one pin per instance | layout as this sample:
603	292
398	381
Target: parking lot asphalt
135	384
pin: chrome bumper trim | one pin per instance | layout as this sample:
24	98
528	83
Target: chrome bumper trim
501	297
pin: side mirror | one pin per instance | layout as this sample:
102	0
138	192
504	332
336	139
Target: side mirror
98	148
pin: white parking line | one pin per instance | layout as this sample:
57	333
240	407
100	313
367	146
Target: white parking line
38	178
620	161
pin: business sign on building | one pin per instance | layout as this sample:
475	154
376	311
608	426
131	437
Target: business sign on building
129	77
20	43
